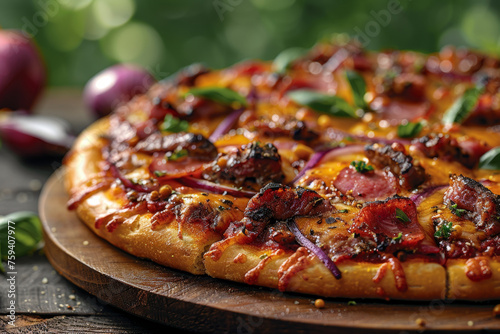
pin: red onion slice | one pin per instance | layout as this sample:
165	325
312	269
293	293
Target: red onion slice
129	184
214	187
330	154
303	241
420	196
226	125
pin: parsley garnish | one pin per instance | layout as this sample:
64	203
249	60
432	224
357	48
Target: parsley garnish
351	302
343	211
159	173
491	159
361	166
401	215
445	230
400	235
456	210
178	154
173	124
263	256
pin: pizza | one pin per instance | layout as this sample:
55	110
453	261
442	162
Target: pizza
333	171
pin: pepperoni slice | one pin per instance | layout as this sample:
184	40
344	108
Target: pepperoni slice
382	219
165	169
398	111
366	186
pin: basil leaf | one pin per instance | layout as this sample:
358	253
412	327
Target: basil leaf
401	215
409	130
462	107
358	87
491	159
25	228
328	104
173	124
221	95
400	235
284	60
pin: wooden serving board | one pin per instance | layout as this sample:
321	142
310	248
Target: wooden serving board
201	303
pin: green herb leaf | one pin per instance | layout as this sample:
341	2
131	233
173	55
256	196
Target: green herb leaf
401	215
178	154
328	104
361	166
173	124
159	173
263	256
445	230
284	60
351	302
456	210
400	235
491	159
462	107
410	129
343	211
358	87
20	234
221	95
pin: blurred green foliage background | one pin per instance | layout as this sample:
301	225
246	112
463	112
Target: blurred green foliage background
78	38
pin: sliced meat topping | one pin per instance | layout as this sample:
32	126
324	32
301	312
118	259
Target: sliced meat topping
196	145
254	163
395	160
284	127
466	152
276	202
389	221
366	186
197	107
480	204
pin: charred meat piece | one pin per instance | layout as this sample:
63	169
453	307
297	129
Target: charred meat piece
393	219
197	107
187	210
284	127
253	163
447	148
366	186
277	202
395	160
482	206
197	145
409	86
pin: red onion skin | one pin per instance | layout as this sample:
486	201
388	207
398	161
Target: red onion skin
215	188
22	71
303	241
115	85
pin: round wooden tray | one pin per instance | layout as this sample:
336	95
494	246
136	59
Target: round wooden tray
201	303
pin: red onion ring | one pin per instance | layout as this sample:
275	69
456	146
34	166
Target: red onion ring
127	183
214	187
226	125
303	241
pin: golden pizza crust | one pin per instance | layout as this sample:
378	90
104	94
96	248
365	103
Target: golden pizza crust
463	288
425	280
135	235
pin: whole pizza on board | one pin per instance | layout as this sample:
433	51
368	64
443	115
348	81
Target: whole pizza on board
334	171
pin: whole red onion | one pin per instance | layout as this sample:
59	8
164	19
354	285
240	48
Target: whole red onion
115	85
22	71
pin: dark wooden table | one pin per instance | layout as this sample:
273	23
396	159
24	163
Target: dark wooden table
45	301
